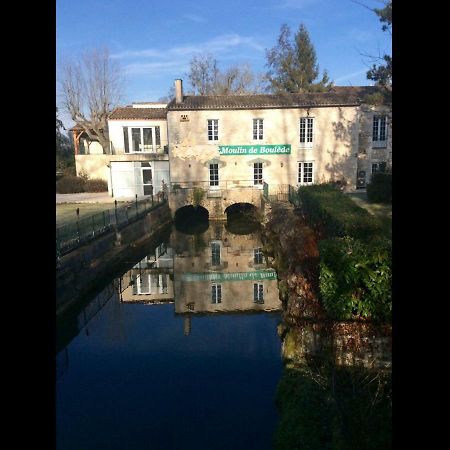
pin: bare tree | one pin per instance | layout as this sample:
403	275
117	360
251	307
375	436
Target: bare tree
207	79
203	74
91	87
235	80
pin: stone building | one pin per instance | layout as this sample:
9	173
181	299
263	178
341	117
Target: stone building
223	150
137	162
229	146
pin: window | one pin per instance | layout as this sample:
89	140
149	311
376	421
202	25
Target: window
215	253
258	131
258	293
306	131
305	173
378	167
142	139
162	284
213	130
258	256
379	135
216	293
257	173
214	174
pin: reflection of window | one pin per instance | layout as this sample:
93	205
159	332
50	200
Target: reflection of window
162	283
257	173
141	284
216	293
258	256
258	129
150	283
258	293
215	253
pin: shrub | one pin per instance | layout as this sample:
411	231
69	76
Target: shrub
355	278
379	190
70	184
335	214
96	185
197	196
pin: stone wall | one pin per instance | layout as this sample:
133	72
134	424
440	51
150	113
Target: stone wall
79	269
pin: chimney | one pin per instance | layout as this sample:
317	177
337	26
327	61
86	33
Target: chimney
178	91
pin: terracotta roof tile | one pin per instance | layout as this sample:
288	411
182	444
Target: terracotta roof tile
138	113
337	96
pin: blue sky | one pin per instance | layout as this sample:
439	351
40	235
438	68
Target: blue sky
154	40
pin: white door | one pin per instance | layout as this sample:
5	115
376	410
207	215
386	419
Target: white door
123	181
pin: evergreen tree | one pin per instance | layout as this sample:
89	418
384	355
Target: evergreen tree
382	74
293	64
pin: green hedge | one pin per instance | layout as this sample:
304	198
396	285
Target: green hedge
96	185
379	190
70	184
355	278
335	214
355	255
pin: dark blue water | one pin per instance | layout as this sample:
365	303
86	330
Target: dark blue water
133	380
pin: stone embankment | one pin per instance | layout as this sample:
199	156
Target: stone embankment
291	246
292	249
80	271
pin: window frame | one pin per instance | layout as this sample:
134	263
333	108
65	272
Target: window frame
376	141
213	253
258	256
214	128
216	293
211	180
301	173
378	163
309	132
259	129
128	139
254	174
258	293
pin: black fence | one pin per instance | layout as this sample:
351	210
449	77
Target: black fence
281	193
71	236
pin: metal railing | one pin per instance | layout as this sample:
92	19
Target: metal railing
281	193
223	185
71	236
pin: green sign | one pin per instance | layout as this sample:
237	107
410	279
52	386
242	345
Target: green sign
230	276
280	149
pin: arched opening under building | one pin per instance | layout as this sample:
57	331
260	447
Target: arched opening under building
242	218
191	219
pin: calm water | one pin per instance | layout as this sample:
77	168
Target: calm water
180	352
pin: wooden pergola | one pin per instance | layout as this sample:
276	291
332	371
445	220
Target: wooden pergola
77	133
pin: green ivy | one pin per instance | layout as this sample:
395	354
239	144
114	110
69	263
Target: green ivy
355	278
198	196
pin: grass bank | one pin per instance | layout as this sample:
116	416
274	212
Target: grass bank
66	213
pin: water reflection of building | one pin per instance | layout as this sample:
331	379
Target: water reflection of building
218	271
151	279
